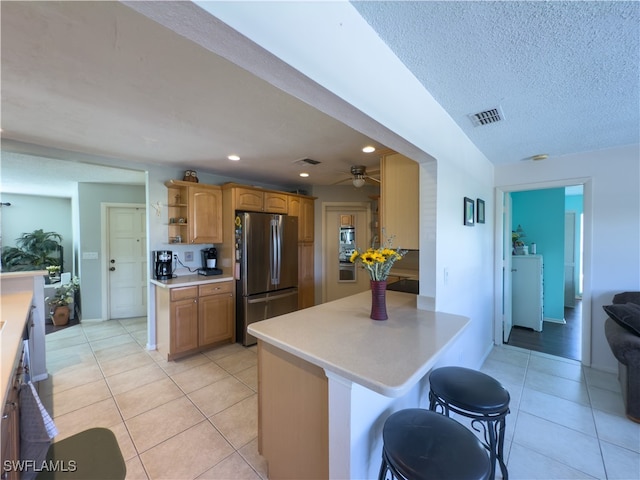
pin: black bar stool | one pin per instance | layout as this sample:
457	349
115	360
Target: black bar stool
474	395
420	444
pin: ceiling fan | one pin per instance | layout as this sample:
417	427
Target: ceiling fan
359	176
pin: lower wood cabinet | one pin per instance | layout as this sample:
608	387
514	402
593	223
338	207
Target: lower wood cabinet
215	313
194	318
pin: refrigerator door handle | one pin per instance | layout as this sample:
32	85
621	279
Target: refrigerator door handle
273	297
276	246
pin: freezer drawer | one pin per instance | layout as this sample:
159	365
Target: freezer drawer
255	308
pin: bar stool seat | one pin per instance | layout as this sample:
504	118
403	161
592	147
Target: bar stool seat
421	444
474	395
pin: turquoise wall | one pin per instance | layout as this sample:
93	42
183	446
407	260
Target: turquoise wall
541	215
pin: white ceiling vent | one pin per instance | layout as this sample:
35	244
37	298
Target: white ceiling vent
486	117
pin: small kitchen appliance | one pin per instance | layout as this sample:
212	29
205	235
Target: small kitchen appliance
209	262
163	264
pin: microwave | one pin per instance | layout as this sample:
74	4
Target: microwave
347	235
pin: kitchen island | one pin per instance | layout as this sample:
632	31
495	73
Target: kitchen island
328	377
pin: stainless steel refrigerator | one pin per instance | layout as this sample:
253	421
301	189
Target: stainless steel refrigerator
268	283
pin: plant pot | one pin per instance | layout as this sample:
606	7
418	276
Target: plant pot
61	315
379	300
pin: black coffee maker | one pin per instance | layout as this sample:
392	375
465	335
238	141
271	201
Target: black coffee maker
162	264
209	262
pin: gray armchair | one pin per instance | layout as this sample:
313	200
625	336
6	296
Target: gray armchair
622	330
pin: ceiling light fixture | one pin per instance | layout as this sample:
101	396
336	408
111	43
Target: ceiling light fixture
541	156
304	174
369	149
358	180
235	158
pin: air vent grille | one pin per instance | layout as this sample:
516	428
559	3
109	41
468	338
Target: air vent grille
486	117
307	161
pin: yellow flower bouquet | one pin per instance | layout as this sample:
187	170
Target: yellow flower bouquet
378	261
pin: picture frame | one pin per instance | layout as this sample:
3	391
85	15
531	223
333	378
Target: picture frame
479	210
469	212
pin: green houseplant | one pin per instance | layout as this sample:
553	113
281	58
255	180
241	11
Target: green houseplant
59	302
33	251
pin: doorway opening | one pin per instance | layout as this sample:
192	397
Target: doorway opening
543	305
346	226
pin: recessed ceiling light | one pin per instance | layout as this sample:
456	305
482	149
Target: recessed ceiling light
304	174
541	156
369	149
235	158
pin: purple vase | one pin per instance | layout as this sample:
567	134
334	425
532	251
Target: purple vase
379	300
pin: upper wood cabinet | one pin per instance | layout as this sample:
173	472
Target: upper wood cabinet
303	208
254	200
400	200
195	212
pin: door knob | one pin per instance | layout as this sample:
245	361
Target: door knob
113	269
113	261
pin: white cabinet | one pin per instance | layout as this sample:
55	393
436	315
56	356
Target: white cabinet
526	276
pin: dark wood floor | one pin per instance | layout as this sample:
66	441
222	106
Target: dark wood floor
561	340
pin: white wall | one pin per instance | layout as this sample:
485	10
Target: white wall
612	225
31	212
330	43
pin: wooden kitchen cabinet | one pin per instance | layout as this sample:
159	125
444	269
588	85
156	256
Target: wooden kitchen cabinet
215	312
400	201
10	426
190	319
205	212
306	286
184	326
255	200
194	212
303	208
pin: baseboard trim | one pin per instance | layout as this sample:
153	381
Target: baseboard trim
555	320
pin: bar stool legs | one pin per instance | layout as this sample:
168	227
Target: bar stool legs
420	444
477	396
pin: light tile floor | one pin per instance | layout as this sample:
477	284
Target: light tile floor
197	417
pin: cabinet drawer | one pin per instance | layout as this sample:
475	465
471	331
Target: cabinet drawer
215	288
183	292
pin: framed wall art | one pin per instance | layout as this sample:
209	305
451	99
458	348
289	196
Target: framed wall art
469	213
479	210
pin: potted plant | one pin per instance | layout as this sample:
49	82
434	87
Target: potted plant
59	303
33	251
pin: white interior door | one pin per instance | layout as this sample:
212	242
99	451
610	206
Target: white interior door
507	322
127	262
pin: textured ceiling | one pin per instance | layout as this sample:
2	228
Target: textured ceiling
103	79
565	74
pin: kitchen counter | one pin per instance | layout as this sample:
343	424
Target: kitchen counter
357	372
191	280
15	311
14	288
388	356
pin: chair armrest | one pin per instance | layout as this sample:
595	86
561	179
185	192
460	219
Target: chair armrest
624	345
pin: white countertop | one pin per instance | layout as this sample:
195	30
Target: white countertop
191	280
387	357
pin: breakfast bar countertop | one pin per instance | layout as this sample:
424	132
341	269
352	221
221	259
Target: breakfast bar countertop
388	357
